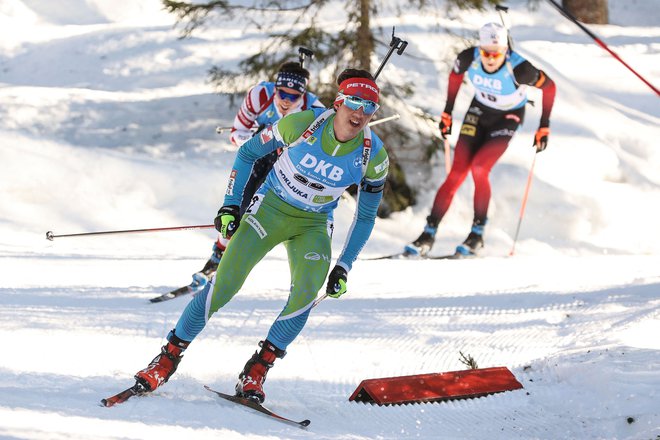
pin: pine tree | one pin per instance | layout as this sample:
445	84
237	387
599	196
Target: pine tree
588	11
354	45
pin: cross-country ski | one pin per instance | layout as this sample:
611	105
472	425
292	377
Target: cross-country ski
248	403
198	283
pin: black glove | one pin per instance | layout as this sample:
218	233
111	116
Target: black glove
227	220
336	282
445	125
541	139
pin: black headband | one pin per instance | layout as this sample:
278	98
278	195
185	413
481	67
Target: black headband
291	80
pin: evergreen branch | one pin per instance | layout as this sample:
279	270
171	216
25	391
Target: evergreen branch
194	15
226	6
468	361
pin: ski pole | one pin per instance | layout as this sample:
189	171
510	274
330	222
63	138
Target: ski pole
447	156
221	130
319	299
383	120
505	9
50	236
600	42
395	44
524	203
302	53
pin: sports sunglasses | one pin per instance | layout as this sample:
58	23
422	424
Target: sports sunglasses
491	54
292	97
355	103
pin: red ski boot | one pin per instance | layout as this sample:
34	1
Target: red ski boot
164	365
252	378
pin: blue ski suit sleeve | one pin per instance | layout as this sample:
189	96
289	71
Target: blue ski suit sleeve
363	224
368	200
248	153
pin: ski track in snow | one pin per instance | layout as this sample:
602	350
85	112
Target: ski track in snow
107	122
534	332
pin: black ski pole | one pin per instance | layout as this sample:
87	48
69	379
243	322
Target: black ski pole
600	42
395	44
302	53
50	236
505	9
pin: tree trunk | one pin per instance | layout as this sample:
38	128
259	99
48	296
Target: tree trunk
365	39
588	11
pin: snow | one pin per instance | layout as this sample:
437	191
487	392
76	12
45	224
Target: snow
107	123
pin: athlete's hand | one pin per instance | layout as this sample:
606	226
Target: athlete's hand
227	220
541	139
336	282
445	125
238	138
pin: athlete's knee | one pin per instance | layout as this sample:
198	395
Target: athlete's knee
300	298
480	172
307	296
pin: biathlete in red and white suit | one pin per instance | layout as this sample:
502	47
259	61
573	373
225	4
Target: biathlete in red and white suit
265	104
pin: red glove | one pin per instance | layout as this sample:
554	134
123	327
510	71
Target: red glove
541	138
445	125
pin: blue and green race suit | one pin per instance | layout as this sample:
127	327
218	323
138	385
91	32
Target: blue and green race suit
293	207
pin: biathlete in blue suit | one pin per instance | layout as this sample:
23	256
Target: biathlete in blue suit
265	104
324	152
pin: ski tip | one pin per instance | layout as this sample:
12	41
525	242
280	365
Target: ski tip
162	298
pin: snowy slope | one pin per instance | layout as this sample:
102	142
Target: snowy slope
107	122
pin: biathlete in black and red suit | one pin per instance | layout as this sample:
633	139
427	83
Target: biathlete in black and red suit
500	77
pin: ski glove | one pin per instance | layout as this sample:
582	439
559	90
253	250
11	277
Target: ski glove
541	139
336	282
227	220
445	125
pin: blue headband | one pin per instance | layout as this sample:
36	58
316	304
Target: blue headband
291	80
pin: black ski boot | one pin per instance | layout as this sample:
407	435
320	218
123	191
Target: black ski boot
424	243
474	241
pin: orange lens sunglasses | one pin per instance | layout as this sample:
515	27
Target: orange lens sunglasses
490	54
